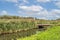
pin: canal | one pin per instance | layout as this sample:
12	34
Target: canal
23	33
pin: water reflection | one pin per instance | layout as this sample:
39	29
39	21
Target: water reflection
14	36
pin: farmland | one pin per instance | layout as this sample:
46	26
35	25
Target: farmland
22	28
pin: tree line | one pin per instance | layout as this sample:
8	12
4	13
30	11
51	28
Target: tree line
14	17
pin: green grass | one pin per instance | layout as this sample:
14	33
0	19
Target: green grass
50	34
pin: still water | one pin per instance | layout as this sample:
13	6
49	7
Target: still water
14	36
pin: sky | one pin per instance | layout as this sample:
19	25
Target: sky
42	9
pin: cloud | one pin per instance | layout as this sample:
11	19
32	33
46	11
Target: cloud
4	12
14	1
43	1
31	8
40	12
55	13
58	4
26	1
34	11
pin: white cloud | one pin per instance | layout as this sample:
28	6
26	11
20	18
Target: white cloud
55	13
34	11
26	1
4	12
31	8
43	12
58	4
43	18
40	12
43	1
15	1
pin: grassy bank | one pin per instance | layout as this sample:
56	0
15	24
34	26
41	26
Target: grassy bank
50	34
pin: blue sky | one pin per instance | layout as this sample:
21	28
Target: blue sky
42	9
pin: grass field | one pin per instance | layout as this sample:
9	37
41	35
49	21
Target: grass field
50	34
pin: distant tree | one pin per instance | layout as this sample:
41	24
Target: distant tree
58	19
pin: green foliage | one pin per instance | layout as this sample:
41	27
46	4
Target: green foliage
7	26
